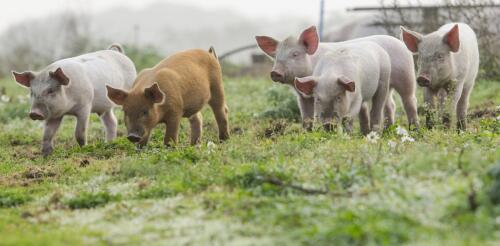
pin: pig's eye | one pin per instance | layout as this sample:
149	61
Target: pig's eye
51	91
295	54
145	113
440	56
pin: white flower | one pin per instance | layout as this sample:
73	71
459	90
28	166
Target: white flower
5	98
392	144
407	139
211	146
372	137
401	131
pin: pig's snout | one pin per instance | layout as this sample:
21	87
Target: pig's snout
277	76
423	81
134	138
36	115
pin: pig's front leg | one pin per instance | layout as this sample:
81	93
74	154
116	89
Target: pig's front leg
172	131
109	121
306	106
49	131
82	122
454	97
429	107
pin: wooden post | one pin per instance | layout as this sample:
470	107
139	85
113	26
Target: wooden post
430	19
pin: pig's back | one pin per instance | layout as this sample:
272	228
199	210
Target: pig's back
91	72
191	70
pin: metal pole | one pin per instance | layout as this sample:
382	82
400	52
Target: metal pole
321	16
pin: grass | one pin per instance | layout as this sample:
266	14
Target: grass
270	184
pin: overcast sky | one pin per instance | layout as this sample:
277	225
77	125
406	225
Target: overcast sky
12	11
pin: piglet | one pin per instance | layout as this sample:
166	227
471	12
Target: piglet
448	63
76	86
177	87
345	80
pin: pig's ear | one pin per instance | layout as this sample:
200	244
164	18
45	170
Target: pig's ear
347	83
305	85
267	44
23	78
59	76
411	39
116	95
154	93
310	39
452	39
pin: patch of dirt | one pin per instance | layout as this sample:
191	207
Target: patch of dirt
37	173
29	176
237	130
277	128
84	163
485	110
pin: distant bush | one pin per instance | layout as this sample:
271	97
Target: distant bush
143	57
11	199
283	105
91	200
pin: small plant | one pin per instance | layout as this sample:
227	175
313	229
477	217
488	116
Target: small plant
12	199
88	200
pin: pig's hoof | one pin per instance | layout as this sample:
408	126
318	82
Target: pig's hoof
46	151
328	127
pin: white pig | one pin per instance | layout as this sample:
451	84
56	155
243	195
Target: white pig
77	86
345	80
297	57
448	61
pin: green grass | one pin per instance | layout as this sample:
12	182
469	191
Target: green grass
270	184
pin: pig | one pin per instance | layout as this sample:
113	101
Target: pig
344	80
448	63
179	86
76	86
297	57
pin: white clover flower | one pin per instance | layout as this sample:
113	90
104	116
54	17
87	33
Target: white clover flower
372	137
211	146
5	98
392	144
21	99
407	139
401	131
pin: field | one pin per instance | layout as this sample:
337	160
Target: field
270	184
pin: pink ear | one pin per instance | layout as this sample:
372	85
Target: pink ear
305	85
347	83
452	38
267	44
116	95
411	39
154	93
23	78
310	39
59	76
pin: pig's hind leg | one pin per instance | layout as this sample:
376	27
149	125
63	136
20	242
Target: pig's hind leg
377	111
196	123
109	121
364	119
218	105
390	110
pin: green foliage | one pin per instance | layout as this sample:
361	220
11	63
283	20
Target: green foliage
143	57
282	104
271	183
86	200
12	199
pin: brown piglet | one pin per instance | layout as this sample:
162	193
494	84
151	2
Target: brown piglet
179	86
